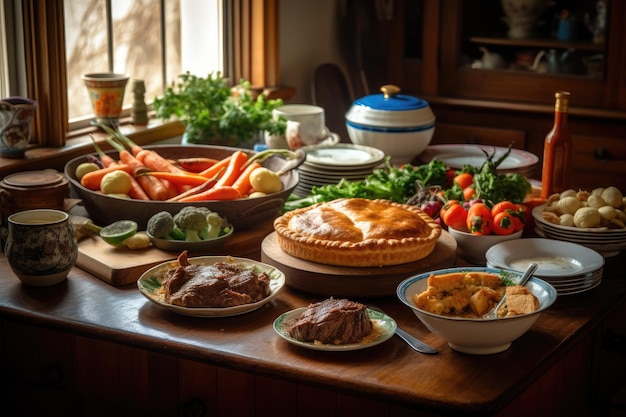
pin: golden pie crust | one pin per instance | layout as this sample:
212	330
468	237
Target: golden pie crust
358	232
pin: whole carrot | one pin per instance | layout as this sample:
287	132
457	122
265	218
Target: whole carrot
242	183
224	192
105	160
207	185
238	158
179	179
156	162
120	142
153	186
91	180
220	165
196	165
135	192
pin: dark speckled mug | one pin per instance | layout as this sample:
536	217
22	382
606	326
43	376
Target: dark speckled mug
41	246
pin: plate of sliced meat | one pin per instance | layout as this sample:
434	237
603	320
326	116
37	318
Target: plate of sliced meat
211	286
335	324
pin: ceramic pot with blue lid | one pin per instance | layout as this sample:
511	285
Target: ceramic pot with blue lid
400	125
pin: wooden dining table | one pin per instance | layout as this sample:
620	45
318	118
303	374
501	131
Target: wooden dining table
86	347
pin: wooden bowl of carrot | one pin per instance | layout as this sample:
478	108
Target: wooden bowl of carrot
242	212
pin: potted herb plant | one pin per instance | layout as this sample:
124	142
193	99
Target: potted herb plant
215	113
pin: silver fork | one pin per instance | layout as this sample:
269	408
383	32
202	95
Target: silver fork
528	273
412	341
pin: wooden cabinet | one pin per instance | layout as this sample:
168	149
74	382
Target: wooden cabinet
54	373
434	49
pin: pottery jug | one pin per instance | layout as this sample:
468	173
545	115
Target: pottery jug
16	114
491	60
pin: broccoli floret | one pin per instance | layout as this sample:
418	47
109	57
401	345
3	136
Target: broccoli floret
215	225
162	226
191	220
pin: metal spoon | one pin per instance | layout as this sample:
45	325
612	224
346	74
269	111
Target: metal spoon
412	341
530	270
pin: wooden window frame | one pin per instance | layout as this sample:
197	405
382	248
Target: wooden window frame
255	58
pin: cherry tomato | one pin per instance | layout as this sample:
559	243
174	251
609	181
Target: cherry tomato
450	174
503	206
479	219
468	193
504	223
446	206
518	220
464	180
455	216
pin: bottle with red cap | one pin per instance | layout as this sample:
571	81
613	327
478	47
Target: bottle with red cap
557	150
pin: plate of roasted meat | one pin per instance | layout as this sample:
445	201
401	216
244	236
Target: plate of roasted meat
211	286
335	324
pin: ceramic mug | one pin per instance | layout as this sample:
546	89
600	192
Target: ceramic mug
306	124
41	246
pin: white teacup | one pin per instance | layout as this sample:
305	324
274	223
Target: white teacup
306	124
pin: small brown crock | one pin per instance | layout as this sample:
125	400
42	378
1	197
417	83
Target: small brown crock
33	190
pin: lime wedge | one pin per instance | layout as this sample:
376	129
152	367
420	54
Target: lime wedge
117	232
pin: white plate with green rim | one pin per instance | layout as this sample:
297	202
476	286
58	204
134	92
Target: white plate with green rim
149	284
384	328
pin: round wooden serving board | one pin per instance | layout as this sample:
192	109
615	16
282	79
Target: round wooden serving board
339	281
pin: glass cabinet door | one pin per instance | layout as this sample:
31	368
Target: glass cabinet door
524	50
561	38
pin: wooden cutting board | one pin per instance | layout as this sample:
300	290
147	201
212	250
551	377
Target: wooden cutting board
119	266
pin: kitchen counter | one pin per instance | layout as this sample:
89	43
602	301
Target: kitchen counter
388	379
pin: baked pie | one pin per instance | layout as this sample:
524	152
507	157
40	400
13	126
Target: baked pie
358	232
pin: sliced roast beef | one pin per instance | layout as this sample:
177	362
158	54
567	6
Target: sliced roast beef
332	321
220	285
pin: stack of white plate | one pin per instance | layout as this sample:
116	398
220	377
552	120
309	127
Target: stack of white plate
328	164
570	268
456	156
601	239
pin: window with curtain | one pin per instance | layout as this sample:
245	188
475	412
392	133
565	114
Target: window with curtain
153	40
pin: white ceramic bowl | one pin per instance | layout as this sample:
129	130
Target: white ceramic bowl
474	247
476	336
399	125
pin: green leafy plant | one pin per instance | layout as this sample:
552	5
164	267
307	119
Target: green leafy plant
214	112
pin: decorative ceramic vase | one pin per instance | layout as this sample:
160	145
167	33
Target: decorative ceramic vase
524	17
16	114
106	92
41	246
